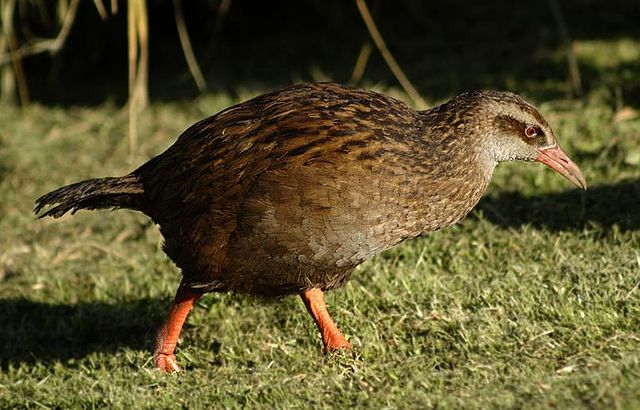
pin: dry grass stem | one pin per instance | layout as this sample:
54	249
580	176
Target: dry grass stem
388	57
574	70
52	45
361	63
12	43
102	11
223	9
194	68
138	40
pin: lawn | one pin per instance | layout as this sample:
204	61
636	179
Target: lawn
532	301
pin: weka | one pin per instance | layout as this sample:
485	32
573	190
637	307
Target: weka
288	192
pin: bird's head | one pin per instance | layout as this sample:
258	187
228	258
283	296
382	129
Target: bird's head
514	130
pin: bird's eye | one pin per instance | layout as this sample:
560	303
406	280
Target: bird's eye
531	131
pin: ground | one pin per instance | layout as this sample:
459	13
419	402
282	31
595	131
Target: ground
532	301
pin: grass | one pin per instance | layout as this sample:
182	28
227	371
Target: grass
533	301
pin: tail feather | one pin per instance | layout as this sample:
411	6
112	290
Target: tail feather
113	192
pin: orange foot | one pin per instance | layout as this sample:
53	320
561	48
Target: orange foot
331	337
335	346
166	362
163	357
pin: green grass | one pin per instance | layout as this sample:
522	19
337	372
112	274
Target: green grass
533	301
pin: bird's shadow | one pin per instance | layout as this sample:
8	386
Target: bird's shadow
36	331
604	207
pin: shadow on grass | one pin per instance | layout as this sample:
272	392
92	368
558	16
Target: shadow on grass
34	331
605	206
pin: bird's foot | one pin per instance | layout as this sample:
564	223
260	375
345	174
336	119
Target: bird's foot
335	343
332	338
166	362
331	348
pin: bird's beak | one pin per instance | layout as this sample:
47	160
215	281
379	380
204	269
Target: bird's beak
556	159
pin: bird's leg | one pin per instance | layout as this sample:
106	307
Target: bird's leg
331	336
167	339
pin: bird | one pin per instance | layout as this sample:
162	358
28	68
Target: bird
288	192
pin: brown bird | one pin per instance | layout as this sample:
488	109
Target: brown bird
288	192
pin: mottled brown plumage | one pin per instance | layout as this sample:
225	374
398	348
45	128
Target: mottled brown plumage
290	191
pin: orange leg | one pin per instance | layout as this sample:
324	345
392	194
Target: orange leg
331	336
167	339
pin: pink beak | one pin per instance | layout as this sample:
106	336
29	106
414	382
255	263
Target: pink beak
556	159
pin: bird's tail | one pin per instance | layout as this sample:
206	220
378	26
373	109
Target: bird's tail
113	192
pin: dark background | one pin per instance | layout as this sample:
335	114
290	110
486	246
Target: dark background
444	47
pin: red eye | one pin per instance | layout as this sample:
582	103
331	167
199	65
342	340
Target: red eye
530	132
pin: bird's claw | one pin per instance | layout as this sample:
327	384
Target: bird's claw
336	346
166	363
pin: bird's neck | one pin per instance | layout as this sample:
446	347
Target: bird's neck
456	144
455	171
